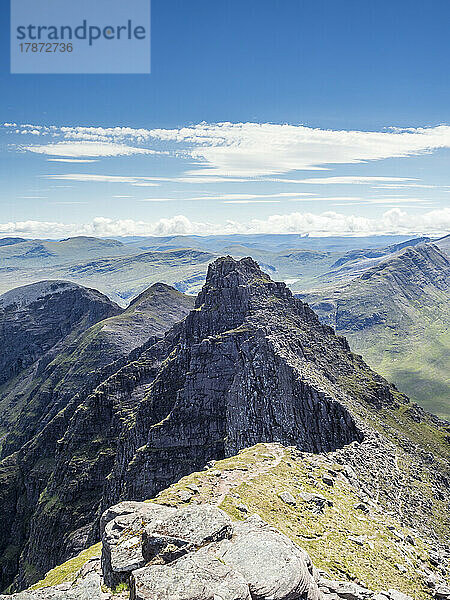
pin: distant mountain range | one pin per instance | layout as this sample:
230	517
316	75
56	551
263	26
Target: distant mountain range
122	269
397	315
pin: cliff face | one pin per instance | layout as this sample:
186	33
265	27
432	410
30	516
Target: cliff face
80	362
47	394
249	364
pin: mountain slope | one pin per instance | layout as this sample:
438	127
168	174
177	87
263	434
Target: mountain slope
249	364
82	361
397	315
36	317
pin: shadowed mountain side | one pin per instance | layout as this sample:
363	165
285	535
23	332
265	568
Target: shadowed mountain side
78	364
36	317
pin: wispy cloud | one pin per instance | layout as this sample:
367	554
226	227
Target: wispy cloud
347	180
240	150
73	160
250	201
86	177
76	149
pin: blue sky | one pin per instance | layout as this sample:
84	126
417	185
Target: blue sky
259	116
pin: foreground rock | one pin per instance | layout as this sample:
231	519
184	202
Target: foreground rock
158	552
197	553
198	577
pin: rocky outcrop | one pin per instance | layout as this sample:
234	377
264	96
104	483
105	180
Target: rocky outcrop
189	549
198	553
249	364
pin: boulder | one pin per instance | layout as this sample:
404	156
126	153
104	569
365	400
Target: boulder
317	502
123	525
198	576
345	589
186	529
287	498
272	565
87	586
442	592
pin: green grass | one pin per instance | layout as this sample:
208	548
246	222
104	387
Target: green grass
68	570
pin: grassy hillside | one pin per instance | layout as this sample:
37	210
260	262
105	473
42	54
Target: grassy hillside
397	315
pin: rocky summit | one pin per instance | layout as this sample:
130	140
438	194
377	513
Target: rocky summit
249	364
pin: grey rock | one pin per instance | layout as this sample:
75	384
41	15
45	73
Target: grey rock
442	592
87	586
272	565
396	595
184	495
317	502
122	538
193	487
198	576
346	590
400	568
287	498
358	539
187	528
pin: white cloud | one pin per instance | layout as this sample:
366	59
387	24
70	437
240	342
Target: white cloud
252	149
251	196
75	149
242	150
347	180
72	160
98	178
250	201
394	221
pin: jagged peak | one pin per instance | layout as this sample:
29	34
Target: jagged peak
245	269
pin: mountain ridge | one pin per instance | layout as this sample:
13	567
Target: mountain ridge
249	364
396	315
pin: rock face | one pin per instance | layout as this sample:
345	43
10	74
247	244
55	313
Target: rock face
249	364
78	364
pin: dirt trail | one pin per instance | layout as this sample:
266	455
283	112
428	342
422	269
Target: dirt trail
235	477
